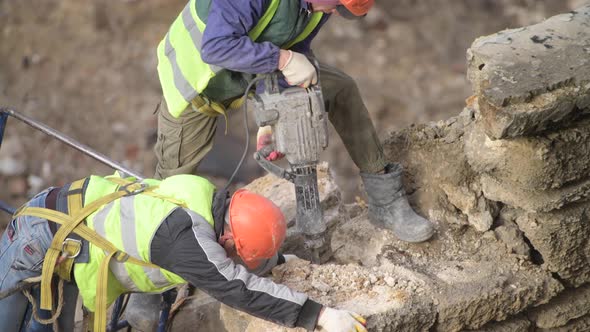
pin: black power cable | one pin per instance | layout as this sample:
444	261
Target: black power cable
245	109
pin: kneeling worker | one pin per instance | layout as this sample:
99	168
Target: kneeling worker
107	236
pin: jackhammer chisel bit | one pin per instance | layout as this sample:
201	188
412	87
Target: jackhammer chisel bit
298	120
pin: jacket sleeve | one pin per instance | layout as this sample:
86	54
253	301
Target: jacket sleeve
185	244
225	40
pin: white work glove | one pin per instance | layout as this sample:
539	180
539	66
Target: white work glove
266	145
299	71
333	320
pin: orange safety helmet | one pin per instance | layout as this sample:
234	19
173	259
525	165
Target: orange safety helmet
355	7
258	227
358	7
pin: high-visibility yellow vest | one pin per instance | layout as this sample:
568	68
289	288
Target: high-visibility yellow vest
130	223
182	72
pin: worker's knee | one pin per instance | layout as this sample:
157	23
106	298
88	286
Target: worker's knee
337	86
183	142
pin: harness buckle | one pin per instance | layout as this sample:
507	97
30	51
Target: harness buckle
64	245
134	188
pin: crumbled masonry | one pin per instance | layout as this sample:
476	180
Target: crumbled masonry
507	184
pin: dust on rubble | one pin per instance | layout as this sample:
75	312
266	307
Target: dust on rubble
334	285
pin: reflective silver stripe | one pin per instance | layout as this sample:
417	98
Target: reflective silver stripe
100	217
196	35
181	83
117	268
205	236
129	231
191	26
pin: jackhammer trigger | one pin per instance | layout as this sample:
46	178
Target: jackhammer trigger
274	169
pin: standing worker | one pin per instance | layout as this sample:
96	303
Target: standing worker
215	47
151	236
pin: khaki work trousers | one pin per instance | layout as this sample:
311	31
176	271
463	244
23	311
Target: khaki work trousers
183	142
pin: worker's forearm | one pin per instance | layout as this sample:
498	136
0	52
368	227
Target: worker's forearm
185	244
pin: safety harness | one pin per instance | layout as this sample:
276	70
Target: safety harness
60	256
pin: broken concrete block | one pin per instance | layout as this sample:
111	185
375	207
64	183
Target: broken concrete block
511	193
470	294
388	301
581	324
472	279
282	192
507	231
512	237
546	161
561	237
480	212
512	324
567	306
200	313
532	78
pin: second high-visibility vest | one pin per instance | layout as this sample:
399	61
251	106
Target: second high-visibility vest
130	223
183	74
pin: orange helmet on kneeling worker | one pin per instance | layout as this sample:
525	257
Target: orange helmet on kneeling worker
258	227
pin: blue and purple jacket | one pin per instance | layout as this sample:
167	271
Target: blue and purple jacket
226	43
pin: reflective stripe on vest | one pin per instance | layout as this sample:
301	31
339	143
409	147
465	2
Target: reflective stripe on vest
182	72
130	223
179	58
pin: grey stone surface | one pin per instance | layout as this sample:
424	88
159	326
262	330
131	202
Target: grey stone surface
529	79
472	279
561	237
388	299
581	324
567	306
480	212
282	192
512	237
512	324
549	160
511	193
200	313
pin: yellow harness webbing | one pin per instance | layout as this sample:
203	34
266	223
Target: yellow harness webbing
73	223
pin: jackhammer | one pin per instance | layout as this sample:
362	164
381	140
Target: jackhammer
298	120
